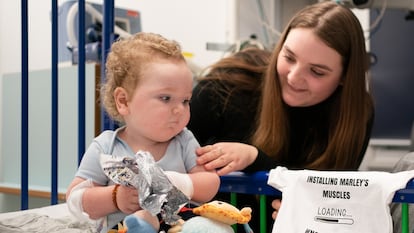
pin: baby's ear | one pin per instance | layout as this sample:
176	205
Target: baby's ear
121	100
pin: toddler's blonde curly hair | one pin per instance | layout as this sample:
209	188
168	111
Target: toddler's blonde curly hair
127	59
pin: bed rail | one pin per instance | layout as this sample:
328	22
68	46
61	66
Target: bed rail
39	192
24	189
108	30
25	106
256	183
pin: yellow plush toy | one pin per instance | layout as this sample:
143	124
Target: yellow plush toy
215	217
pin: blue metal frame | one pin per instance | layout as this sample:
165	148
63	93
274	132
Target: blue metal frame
405	195
25	106
254	183
55	104
81	79
107	40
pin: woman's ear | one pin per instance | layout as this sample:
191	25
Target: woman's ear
121	100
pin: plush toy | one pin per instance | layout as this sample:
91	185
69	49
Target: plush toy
214	217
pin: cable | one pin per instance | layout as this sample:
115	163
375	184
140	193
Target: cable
263	19
267	28
379	17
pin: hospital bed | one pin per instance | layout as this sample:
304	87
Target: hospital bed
57	217
54	218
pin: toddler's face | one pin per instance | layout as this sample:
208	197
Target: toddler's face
159	108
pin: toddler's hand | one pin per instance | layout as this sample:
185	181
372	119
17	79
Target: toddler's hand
127	199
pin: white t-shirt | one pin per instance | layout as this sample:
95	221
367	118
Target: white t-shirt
335	202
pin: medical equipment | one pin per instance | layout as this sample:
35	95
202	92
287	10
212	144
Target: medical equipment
237	46
394	4
126	22
382	5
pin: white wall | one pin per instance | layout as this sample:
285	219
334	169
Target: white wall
190	22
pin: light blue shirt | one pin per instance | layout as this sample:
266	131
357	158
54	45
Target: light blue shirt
180	157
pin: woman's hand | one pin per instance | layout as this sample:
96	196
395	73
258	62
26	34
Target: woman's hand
276	206
127	199
226	156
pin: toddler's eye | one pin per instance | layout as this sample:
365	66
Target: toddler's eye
165	98
186	102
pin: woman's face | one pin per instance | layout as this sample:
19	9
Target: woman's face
308	69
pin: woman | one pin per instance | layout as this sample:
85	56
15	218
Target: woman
315	111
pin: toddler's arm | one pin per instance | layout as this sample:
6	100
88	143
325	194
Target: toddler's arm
199	185
206	185
95	201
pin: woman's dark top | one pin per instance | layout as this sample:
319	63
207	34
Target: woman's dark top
214	120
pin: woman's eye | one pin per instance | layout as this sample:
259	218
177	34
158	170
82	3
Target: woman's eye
289	58
186	102
317	72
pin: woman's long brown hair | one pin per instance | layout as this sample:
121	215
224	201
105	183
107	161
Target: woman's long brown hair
338	27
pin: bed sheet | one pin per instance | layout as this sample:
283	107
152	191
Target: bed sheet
55	218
